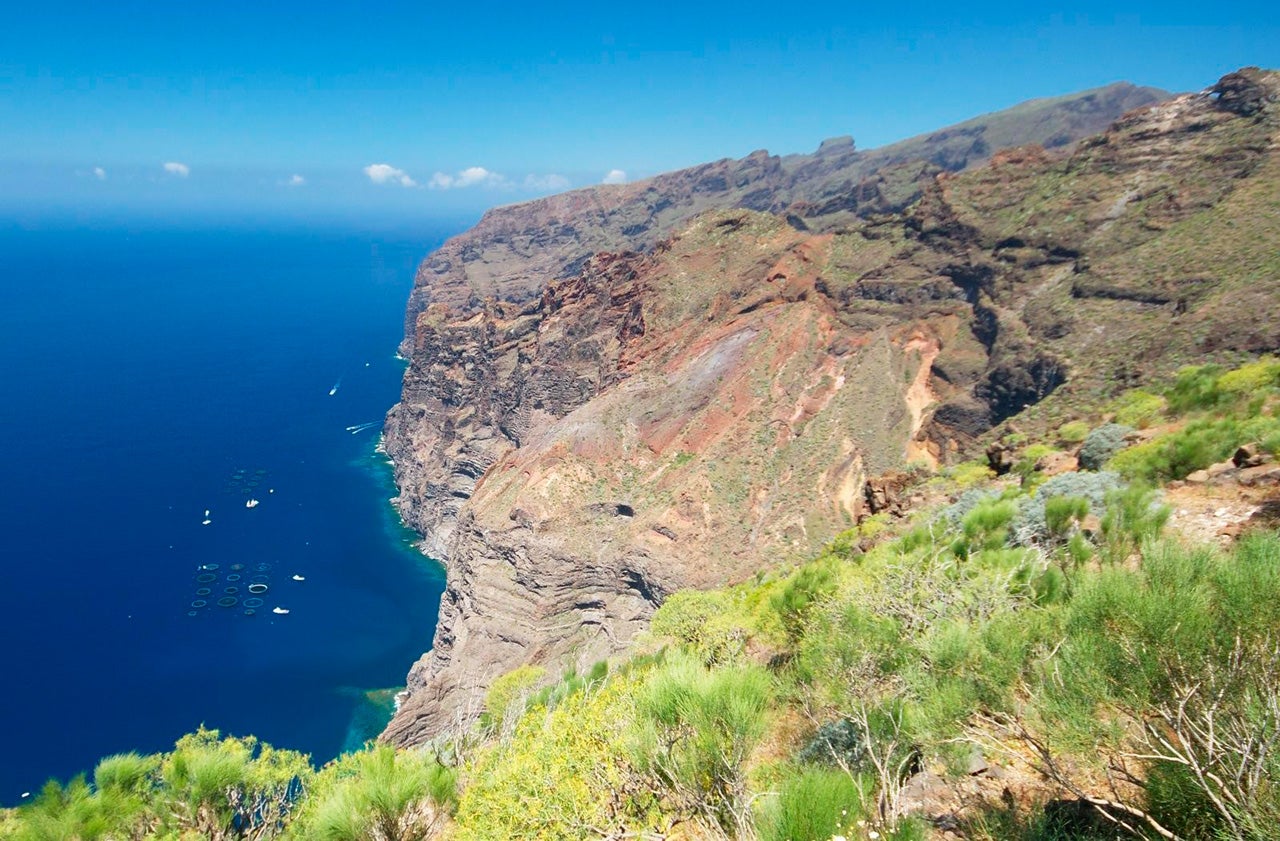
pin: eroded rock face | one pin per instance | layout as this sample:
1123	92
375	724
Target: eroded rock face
690	399
661	421
514	251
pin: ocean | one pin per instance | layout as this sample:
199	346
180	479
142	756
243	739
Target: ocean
153	372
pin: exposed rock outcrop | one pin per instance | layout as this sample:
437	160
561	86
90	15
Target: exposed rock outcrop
622	391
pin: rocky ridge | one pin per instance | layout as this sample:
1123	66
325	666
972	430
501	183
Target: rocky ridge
578	437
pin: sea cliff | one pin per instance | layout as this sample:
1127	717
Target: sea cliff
622	391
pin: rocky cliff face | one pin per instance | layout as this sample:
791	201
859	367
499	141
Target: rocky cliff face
582	433
514	251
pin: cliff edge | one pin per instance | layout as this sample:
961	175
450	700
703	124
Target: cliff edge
619	392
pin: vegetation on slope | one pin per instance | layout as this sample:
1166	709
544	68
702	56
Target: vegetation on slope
1121	683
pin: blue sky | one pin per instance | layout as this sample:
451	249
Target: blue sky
419	108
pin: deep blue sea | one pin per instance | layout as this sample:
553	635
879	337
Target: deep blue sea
150	373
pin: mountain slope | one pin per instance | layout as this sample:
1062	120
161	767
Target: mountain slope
514	250
673	418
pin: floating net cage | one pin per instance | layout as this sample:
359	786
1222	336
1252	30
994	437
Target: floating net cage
239	574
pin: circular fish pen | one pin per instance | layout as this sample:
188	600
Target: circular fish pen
199	603
206	578
228	601
253	602
204	591
233	577
258	589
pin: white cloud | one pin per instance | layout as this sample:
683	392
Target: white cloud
175	168
296	181
388	174
615	176
549	183
99	173
472	176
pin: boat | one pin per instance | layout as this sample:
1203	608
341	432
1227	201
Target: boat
280	610
251	503
299	578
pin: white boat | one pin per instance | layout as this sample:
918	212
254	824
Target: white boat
299	578
206	521
279	610
251	503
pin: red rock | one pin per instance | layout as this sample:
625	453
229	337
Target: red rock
1055	463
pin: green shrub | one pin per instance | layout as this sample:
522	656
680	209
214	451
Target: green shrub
1206	387
814	805
1194	447
127	773
72	812
563	769
804	588
708	623
1062	514
1133	516
505	700
1073	432
1252	378
696	729
986	526
1026	465
383	793
955	513
1195	387
1177	659
212	783
847	651
969	473
1101	444
1137	408
1179	804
